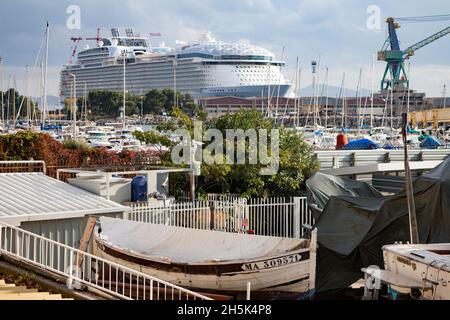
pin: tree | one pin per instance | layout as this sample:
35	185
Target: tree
170	103
105	103
155	102
155	139
296	161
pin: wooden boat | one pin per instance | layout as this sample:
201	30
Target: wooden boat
209	260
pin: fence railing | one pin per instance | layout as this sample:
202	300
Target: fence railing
205	215
82	269
23	166
279	217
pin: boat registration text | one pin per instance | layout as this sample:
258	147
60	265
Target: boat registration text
273	263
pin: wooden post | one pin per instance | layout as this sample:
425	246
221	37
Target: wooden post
212	210
84	242
414	231
312	259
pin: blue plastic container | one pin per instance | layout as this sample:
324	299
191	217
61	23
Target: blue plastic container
139	189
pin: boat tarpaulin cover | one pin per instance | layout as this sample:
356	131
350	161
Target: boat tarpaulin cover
185	245
320	187
430	143
353	229
361	144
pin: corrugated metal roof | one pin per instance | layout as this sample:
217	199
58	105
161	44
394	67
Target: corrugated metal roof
34	196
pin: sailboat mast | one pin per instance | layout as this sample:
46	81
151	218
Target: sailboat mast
1	91
41	86
28	98
326	99
316	102
44	110
392	107
14	101
314	88
279	84
297	116
299	98
343	102
359	101
372	91
444	94
268	92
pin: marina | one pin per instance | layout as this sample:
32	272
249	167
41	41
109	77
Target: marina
208	168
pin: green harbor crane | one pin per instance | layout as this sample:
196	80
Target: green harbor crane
395	76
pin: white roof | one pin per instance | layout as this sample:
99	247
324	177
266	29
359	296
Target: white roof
36	197
218	48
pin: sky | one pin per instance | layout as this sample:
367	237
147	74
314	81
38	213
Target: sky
333	32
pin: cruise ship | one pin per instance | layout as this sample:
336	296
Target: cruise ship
208	68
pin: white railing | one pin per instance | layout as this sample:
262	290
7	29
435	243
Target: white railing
83	269
205	215
280	217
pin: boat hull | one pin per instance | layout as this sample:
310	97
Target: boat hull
289	272
427	264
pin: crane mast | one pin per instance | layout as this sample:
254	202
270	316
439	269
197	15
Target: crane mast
395	76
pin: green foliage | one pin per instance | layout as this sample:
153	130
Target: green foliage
296	160
18	104
158	102
76	145
151	137
20	146
155	102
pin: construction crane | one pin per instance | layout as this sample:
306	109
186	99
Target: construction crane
395	76
77	40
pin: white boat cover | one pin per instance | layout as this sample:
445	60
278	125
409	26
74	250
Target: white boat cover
183	245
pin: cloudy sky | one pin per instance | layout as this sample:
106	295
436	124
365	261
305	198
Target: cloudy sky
330	30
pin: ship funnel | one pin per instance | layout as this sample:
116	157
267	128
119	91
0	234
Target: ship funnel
115	33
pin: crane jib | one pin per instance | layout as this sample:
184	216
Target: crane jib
429	40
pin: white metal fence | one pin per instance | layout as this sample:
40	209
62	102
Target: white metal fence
83	269
280	217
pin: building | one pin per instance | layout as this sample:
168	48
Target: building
303	108
51	208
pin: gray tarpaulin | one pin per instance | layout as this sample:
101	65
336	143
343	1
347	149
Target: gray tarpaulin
321	187
352	229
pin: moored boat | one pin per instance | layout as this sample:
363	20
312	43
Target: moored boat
209	260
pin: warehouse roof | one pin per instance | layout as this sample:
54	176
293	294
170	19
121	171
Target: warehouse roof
35	197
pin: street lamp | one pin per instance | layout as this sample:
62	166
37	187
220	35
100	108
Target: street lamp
124	89
74	111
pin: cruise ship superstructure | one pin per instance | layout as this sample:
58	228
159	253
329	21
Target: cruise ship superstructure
205	69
